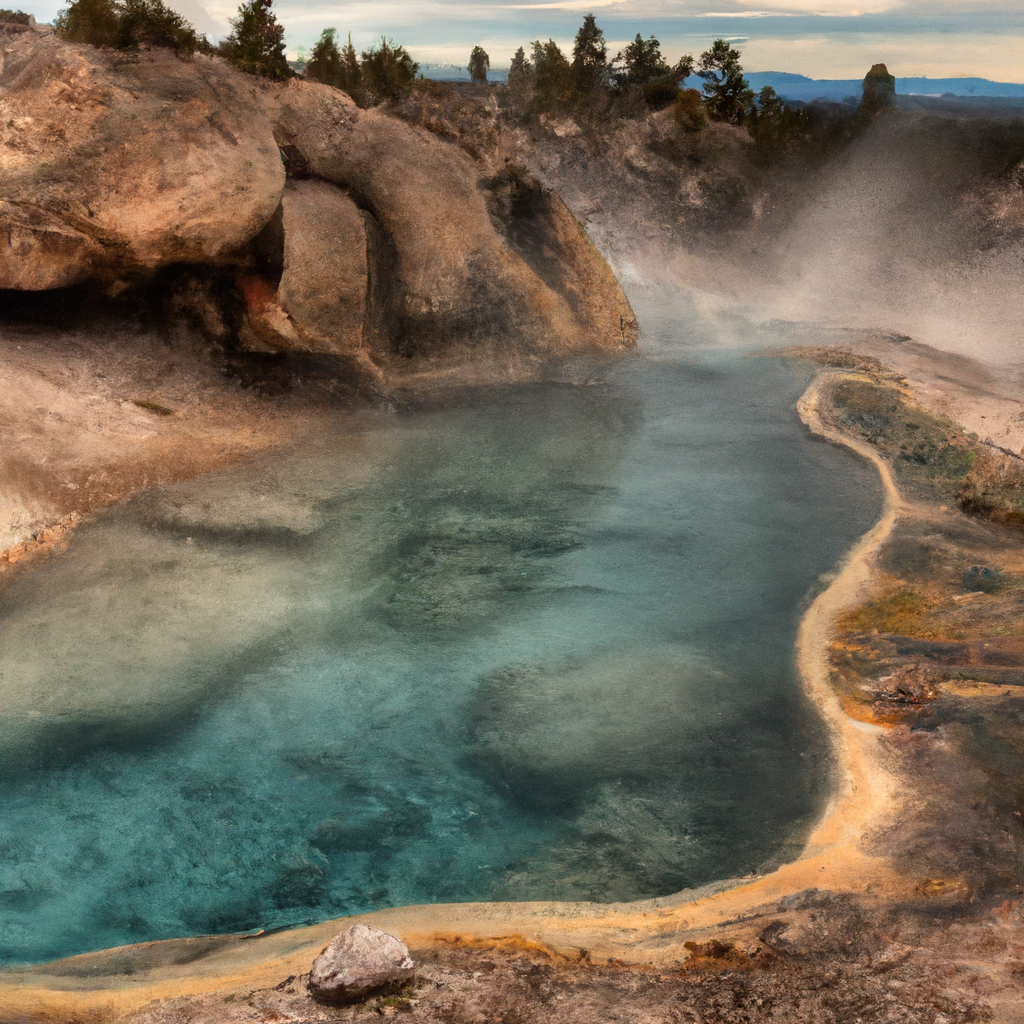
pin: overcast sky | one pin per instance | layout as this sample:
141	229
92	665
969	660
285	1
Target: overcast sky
819	38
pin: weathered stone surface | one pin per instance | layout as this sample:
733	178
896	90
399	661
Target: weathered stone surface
111	167
358	962
110	164
455	281
324	282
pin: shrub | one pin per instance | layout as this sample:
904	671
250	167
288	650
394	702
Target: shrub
128	25
96	22
149	23
688	111
14	17
387	71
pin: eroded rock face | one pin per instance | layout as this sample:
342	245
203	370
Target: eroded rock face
358	962
324	280
109	165
456	279
387	242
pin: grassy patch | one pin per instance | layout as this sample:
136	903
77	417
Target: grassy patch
931	457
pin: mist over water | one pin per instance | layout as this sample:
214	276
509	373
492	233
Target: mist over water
527	642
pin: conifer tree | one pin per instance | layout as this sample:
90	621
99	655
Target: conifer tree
387	71
350	78
589	57
552	76
725	89
479	64
256	43
520	72
324	63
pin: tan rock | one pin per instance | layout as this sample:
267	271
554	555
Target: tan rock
455	282
109	163
358	962
324	282
111	166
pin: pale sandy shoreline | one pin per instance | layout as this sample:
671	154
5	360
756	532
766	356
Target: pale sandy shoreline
835	858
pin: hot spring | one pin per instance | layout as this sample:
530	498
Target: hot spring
522	642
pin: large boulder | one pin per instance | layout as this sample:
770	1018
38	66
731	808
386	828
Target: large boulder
357	963
324	279
108	165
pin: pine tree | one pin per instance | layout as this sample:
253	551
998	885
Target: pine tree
256	43
520	72
387	71
552	76
520	81
589	57
725	89
324	63
479	63
641	62
350	78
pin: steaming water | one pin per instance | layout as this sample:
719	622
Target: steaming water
533	642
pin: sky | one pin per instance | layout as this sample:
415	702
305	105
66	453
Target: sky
817	38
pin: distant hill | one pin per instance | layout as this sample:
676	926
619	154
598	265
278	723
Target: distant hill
799	87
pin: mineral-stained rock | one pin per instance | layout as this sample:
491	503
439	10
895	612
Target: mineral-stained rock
386	243
324	281
456	279
358	962
109	164
879	89
981	578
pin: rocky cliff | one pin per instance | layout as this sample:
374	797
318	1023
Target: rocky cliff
283	217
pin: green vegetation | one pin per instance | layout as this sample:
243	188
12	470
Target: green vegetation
256	43
14	17
726	92
332	66
324	62
589	59
382	73
387	72
128	25
479	64
641	67
554	87
932	459
774	125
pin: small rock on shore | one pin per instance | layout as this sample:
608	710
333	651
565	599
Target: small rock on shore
358	962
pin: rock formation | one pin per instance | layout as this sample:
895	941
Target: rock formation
879	89
340	231
358	962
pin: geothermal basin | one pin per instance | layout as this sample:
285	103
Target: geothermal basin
515	642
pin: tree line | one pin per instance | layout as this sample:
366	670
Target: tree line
590	84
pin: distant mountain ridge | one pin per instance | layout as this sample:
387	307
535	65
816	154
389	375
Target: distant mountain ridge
799	87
